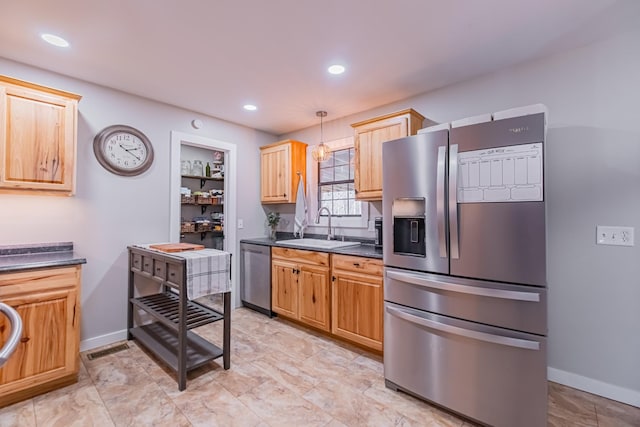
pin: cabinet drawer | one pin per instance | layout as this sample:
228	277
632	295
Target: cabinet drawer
358	264
147	264
136	261
159	269
174	274
297	255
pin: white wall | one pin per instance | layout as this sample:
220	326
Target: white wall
593	177
110	212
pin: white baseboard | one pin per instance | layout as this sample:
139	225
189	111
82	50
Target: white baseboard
106	339
610	391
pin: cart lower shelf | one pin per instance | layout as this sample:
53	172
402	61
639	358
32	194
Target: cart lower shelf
165	305
163	342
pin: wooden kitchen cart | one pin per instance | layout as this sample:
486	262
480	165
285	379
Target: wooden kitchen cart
169	335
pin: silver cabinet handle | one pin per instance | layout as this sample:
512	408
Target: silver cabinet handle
480	336
463	289
16	331
440	200
453	201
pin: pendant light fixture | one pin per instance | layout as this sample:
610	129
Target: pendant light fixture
321	152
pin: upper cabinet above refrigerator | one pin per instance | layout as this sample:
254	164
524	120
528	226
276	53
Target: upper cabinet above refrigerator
369	135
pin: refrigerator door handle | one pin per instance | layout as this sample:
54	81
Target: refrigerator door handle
454	330
453	201
16	332
464	289
440	200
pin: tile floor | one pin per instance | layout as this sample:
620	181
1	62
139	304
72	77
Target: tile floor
281	375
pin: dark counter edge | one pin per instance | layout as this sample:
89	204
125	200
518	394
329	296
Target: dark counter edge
38	255
366	249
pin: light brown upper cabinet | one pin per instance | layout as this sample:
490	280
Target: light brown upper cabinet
38	128
369	136
279	164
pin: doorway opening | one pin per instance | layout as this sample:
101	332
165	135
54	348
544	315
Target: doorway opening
181	142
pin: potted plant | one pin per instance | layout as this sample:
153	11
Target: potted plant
273	218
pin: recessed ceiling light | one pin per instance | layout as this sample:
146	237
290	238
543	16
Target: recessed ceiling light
250	107
55	40
336	69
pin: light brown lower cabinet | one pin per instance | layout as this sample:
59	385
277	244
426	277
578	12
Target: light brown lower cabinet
348	303
48	300
357	300
300	287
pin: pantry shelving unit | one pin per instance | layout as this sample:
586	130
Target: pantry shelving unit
211	238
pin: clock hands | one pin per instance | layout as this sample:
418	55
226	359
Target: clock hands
129	150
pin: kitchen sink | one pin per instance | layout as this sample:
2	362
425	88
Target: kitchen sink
317	243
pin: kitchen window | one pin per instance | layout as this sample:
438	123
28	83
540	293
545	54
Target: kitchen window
339	194
335	184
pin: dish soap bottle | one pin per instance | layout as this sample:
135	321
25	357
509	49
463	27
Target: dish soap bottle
208	170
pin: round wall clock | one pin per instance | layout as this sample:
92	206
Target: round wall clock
123	150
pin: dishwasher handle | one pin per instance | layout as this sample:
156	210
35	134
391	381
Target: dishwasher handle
16	331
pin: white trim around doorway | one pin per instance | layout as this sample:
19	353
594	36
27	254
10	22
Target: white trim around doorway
230	191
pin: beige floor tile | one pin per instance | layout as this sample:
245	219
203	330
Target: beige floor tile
322	366
242	377
116	374
415	411
213	406
286	370
615	414
351	407
279	406
567	407
76	405
21	414
144	405
371	362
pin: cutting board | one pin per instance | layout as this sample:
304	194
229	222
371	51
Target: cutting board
177	247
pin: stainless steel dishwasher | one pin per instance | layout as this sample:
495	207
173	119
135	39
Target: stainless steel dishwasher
255	277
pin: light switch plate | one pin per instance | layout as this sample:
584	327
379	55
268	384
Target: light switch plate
240	223
613	235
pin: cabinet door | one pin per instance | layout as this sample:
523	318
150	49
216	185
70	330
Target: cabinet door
284	288
48	302
357	308
368	154
275	169
314	306
38	140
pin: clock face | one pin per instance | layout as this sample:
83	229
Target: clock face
123	150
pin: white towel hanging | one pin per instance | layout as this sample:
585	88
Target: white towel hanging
300	220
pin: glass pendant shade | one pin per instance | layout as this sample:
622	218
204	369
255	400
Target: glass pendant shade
321	152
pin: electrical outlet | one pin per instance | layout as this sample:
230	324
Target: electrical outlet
240	223
616	236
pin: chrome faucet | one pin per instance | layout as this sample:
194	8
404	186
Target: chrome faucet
324	208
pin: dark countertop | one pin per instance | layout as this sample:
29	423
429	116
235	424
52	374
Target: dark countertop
365	249
38	255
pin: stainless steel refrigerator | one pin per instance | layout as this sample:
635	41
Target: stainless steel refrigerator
465	317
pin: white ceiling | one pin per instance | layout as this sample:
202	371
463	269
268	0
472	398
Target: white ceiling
213	56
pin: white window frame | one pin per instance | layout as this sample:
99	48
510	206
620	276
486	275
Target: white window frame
361	221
